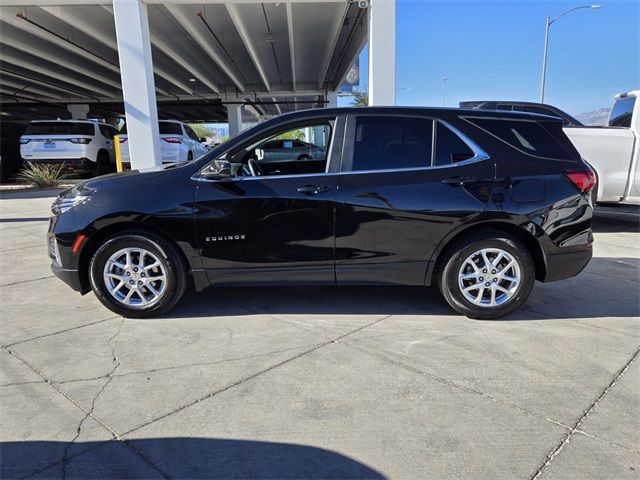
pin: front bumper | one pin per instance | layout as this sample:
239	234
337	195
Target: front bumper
70	277
566	265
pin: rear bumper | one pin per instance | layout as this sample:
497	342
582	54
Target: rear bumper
566	265
82	163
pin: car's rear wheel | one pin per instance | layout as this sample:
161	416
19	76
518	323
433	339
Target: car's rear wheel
103	164
487	276
304	157
137	274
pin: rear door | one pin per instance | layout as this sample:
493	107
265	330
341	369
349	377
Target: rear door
406	182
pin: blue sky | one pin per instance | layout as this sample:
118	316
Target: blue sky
493	50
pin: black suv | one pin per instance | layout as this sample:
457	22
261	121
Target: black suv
480	203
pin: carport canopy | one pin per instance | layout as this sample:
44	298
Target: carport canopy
234	61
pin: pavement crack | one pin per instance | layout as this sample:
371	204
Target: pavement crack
116	364
254	375
26	281
61	331
576	427
15	384
186	365
456	385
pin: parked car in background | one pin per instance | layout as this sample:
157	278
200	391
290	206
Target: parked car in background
530	107
613	151
284	150
178	142
481	204
83	145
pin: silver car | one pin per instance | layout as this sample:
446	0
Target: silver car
285	150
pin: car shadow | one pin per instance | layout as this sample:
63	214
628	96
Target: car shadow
29	193
594	293
612	220
193	458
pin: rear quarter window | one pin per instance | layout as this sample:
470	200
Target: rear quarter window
538	139
622	112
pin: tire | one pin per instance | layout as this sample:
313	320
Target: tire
157	250
103	164
304	157
508	294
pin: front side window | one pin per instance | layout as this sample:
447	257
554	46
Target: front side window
298	150
384	143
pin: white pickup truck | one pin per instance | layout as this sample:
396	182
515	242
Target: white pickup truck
614	150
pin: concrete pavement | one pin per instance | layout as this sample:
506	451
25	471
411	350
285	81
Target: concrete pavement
319	382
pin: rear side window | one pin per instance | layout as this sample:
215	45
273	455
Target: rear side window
60	128
450	148
170	128
528	136
106	131
622	112
392	142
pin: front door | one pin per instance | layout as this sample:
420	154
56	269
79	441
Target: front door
275	224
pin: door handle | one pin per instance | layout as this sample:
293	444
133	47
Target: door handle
313	189
459	181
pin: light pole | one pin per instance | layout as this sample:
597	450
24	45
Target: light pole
546	43
444	89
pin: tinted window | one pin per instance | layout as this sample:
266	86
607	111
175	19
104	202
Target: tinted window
170	128
60	128
450	148
622	112
527	136
191	133
272	145
392	142
106	131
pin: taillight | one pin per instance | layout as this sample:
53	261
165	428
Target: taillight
583	180
83	141
24	141
172	139
122	140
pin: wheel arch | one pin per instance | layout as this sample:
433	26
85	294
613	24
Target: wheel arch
527	238
100	235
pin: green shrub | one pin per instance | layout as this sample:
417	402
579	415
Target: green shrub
43	175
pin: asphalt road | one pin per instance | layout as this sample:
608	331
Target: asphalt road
321	382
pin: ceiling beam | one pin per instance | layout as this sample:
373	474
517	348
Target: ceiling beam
243	31
334	34
205	43
178	58
291	45
28	88
47	56
37	81
22	63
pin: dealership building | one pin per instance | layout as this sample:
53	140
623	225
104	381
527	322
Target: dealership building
213	61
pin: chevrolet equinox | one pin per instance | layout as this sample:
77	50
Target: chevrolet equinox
480	203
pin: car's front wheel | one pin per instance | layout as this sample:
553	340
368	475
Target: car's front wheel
137	274
487	276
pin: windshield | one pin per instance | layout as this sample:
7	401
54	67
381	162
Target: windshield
59	128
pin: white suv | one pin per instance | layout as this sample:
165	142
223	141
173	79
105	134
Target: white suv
178	142
83	145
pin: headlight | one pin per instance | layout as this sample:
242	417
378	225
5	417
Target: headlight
63	204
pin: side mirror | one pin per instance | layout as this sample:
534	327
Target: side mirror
217	170
203	140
